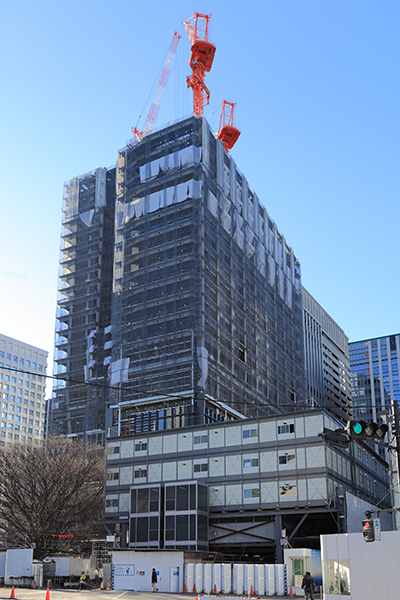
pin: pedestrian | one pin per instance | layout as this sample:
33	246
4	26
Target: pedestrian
154	580
82	581
308	585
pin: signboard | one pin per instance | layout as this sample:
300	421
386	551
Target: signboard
377	529
123	570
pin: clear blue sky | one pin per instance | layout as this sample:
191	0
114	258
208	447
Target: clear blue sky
318	96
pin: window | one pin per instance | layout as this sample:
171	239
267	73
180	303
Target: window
33	365
21	361
13	379
200	439
286	428
140	446
3	425
250	462
251	493
4	415
28	363
140	473
250	433
287	490
111	503
113	450
8	356
1	354
112	476
5	405
199	468
287	458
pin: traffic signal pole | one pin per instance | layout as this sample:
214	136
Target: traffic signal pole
397	438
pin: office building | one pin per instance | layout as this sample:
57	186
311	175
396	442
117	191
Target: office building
179	298
326	350
375	376
23	391
375	389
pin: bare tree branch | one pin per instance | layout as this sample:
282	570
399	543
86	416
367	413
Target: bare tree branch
47	491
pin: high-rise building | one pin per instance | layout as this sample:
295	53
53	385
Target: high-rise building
23	391
179	298
326	349
375	389
375	381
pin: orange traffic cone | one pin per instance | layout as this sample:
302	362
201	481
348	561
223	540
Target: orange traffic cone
194	589
215	588
47	594
34	584
251	591
291	592
12	592
185	589
102	584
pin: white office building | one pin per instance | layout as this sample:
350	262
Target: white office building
23	388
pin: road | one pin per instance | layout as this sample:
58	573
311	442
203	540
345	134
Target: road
30	594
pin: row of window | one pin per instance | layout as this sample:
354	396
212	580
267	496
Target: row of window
16	437
287	489
202	439
203	467
19	428
21	361
13	378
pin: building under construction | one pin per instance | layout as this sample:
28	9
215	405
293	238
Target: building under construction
177	291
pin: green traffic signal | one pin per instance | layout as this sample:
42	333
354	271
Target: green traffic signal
358	427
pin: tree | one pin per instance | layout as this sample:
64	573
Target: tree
48	491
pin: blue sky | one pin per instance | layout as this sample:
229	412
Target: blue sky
318	95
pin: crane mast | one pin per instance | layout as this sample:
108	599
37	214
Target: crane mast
201	59
162	82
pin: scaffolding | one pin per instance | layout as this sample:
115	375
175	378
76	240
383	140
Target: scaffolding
174	281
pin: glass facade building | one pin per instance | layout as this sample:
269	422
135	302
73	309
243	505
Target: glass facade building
374	376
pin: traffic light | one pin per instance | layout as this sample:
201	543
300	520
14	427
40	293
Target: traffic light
362	430
368	530
337	438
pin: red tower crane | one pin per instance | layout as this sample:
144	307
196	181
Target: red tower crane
227	132
201	59
162	82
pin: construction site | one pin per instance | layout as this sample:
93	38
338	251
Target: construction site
177	290
181	306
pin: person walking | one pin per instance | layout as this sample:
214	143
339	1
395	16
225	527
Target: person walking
308	585
154	580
